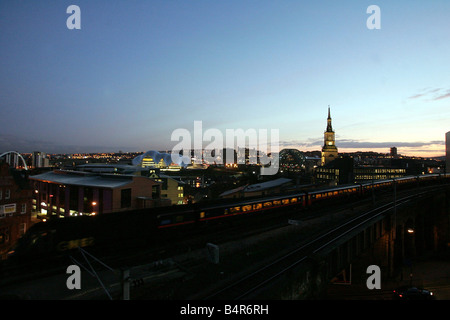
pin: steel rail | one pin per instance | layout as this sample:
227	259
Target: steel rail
307	249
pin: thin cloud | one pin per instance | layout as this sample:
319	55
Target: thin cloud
301	143
355	144
417	96
348	143
443	96
433	94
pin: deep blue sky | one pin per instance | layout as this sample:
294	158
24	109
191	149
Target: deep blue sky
137	70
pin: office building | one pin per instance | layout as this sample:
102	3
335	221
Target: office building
171	189
71	193
39	159
15	206
343	171
394	153
364	174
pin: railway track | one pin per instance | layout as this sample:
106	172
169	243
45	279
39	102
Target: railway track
248	285
176	243
266	274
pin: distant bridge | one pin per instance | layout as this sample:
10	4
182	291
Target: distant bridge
13	157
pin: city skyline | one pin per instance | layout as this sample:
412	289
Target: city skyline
135	72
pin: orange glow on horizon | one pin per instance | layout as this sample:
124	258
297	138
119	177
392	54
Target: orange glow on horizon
431	151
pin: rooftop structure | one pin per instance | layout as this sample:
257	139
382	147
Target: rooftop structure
68	193
258	189
160	160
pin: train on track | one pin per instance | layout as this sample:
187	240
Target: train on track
121	230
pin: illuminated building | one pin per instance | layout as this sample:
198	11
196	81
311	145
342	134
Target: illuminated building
326	175
329	149
163	161
73	193
109	168
39	159
15	206
377	173
342	171
171	189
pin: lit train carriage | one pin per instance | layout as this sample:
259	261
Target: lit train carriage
344	192
378	184
219	211
406	182
366	187
426	179
298	200
420	180
251	206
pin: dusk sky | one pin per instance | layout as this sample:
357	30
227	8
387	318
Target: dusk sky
139	69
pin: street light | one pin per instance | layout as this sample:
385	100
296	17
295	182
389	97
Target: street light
93	209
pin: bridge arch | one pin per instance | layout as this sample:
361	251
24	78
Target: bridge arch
16	154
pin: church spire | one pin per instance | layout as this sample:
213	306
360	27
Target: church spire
329	150
329	127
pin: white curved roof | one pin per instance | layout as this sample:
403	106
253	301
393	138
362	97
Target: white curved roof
168	158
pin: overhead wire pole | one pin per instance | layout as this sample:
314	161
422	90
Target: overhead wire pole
93	273
392	232
395	197
125	277
373	192
125	283
96	275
